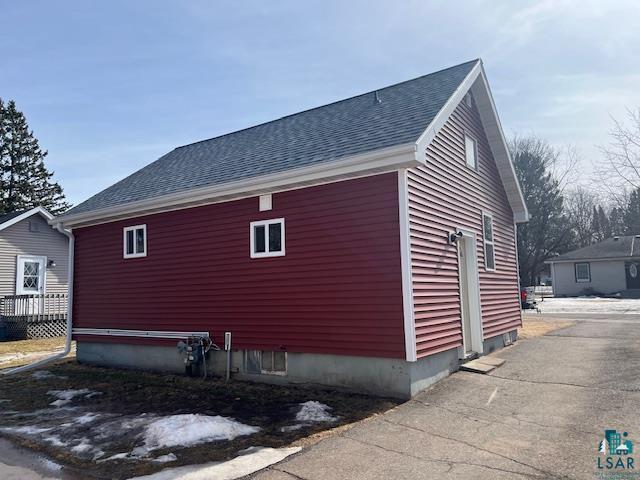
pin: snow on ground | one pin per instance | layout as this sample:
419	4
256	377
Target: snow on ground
313	411
86	418
253	460
190	429
65	396
170	457
45	374
590	305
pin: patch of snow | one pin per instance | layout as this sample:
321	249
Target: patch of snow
98	454
238	467
86	418
313	411
65	396
170	457
190	429
93	394
55	440
83	446
117	456
4	400
590	305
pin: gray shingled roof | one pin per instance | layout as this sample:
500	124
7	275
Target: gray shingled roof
624	246
8	216
348	127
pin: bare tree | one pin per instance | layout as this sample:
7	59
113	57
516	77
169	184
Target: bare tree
580	205
619	171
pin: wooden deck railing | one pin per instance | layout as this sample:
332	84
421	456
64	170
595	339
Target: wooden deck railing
34	308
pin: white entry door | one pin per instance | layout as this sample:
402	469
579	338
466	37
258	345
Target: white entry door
30	275
470	309
30	280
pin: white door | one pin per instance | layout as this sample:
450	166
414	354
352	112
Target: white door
470	309
30	280
464	297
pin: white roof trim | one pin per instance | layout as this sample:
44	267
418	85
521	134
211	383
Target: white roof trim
378	161
27	214
476	82
594	259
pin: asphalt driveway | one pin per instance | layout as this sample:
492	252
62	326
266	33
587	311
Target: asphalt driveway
541	415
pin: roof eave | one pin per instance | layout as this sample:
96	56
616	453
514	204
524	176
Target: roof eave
370	163
476	82
29	213
593	259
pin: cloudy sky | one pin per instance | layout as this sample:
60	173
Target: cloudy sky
110	86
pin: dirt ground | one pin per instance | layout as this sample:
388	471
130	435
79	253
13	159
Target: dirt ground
119	397
537	328
23	352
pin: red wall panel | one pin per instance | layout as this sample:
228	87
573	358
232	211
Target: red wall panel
446	194
337	289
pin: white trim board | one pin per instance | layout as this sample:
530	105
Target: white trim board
36	210
117	332
475	304
379	161
405	263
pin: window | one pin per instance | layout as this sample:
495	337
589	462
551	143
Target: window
489	248
470	151
267	238
135	241
265	361
583	273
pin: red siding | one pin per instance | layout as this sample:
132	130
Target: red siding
446	194
337	289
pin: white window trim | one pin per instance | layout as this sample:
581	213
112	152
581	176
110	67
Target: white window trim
490	242
475	151
280	373
575	269
20	274
124	241
266	223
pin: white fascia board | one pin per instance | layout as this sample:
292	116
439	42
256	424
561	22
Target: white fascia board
370	163
445	112
476	82
36	210
581	260
498	144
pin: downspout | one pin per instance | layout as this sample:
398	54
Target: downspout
67	346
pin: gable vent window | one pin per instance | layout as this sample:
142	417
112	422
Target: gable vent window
471	151
583	272
135	241
267	238
489	247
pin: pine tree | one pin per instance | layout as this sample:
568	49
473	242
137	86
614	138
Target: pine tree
632	214
605	224
595	226
25	181
616	221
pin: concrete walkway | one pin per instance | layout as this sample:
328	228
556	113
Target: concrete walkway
541	415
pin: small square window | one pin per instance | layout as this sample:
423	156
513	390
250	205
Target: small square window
471	151
267	238
583	272
135	241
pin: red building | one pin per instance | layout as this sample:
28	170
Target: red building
368	243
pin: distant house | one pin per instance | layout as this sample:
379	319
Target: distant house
368	243
33	270
607	267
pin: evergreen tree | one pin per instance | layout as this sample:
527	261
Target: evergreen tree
546	233
632	214
25	181
616	221
595	226
605	224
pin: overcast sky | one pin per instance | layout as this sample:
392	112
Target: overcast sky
110	86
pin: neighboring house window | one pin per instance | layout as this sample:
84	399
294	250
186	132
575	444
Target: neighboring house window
265	361
267	238
471	151
30	275
34	226
583	272
489	248
135	241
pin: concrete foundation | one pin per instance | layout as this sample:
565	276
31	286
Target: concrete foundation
379	376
